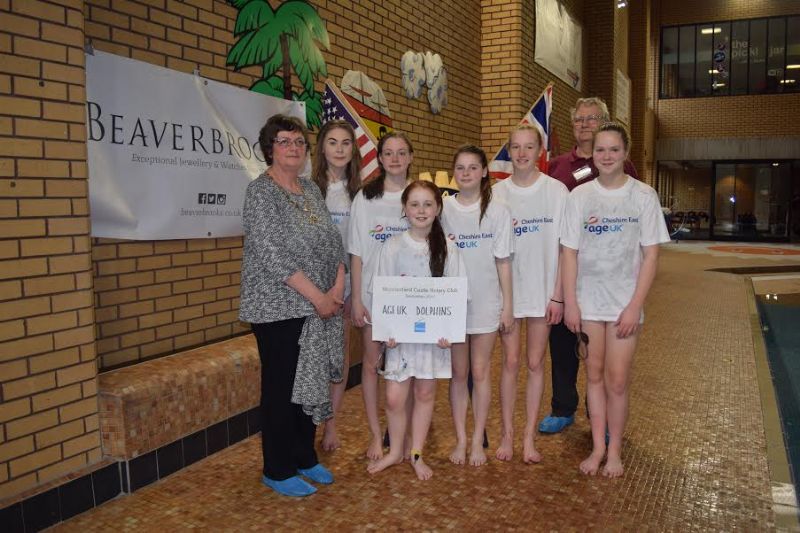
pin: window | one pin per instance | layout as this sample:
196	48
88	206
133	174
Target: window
792	76
740	49
756	56
669	63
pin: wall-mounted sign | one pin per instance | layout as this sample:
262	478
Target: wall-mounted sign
559	39
622	98
170	154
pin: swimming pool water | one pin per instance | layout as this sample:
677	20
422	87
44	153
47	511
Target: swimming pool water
780	322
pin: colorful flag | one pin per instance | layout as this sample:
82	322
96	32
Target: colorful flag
539	115
335	106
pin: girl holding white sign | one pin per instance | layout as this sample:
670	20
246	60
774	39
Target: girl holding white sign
413	368
375	216
612	228
481	228
536	202
337	172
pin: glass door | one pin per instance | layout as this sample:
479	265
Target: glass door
752	200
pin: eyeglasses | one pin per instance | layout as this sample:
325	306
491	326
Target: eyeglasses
285	142
588	119
582	345
389	154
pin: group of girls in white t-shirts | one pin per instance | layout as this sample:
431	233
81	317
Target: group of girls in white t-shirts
530	250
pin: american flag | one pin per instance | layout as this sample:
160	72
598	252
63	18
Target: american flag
539	115
335	106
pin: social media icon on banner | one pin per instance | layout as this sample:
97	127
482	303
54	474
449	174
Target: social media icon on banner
419	327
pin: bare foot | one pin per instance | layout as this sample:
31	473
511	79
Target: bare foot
591	464
529	453
384	463
459	453
330	440
506	450
407	447
422	470
613	467
375	450
477	457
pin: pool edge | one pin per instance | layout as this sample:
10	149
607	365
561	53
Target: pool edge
782	486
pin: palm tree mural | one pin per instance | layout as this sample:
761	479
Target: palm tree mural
282	40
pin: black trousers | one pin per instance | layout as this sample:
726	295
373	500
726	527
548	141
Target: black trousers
565	371
287	434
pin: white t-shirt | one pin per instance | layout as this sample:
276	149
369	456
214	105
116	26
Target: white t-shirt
372	223
404	256
479	246
536	213
608	227
337	199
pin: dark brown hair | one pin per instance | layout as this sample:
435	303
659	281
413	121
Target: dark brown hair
274	125
486	182
374	187
437	242
617	128
353	171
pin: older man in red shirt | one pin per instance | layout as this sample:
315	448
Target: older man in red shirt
572	169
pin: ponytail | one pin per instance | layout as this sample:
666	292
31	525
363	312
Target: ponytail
437	244
486	196
374	187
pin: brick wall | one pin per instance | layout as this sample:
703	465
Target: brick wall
512	80
48	404
690	11
728	116
153	298
59	289
156	297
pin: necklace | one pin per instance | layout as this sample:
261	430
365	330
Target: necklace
306	209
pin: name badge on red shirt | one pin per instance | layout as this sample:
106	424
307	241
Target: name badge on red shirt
582	173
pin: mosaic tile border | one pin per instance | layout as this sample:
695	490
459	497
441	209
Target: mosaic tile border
124	477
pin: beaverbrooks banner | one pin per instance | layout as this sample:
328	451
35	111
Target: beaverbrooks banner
170	154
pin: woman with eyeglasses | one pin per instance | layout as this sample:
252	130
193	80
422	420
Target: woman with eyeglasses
337	172
292	294
612	228
375	216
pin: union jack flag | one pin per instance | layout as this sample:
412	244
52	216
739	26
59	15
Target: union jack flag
335	106
539	115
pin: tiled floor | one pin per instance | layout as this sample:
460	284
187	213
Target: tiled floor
695	447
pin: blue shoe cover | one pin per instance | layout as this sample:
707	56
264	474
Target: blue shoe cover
555	424
317	474
294	486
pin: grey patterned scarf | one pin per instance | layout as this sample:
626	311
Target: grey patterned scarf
320	362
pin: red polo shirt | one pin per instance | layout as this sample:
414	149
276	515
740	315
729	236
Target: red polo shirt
563	166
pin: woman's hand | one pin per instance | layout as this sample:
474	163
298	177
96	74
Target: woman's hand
572	317
391	343
359	313
443	343
326	305
506	320
553	312
628	322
